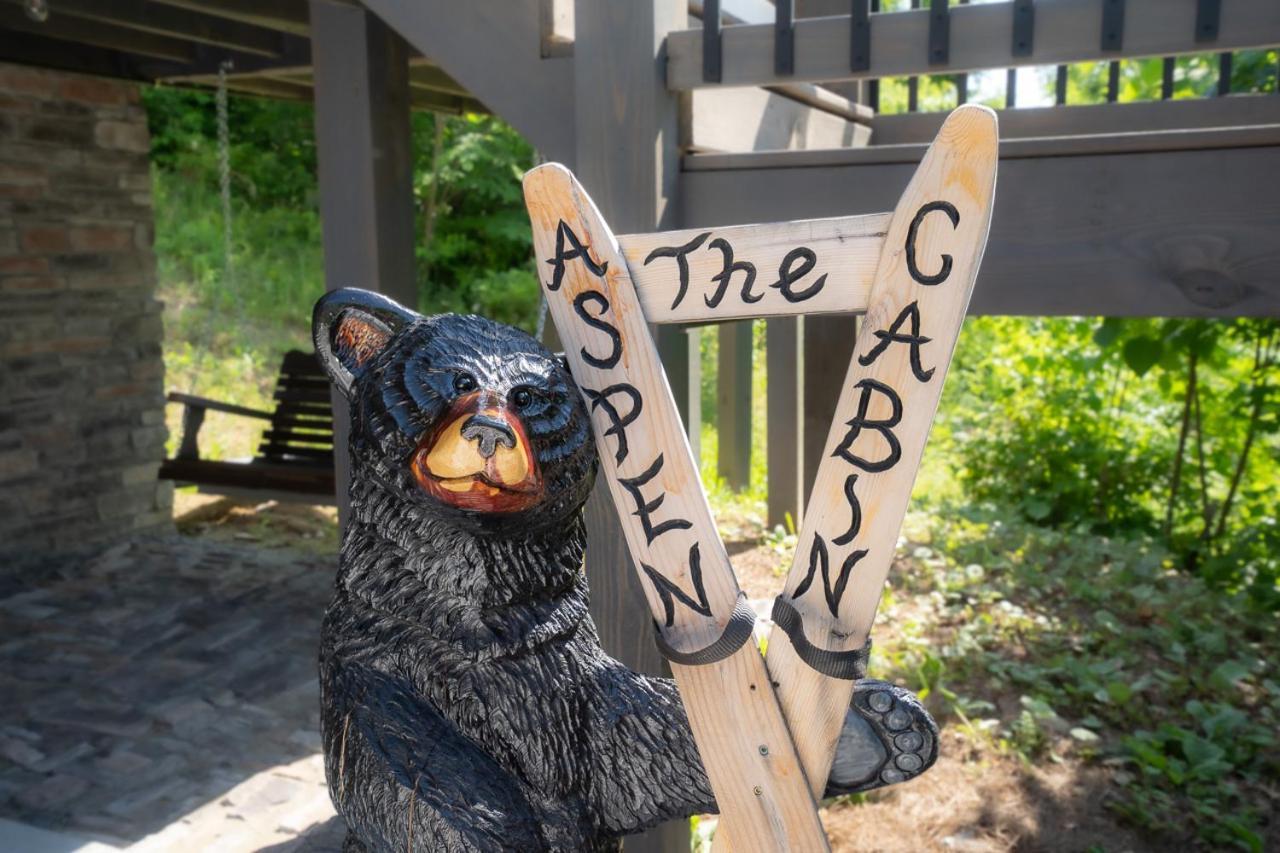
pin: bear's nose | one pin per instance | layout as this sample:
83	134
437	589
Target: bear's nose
488	432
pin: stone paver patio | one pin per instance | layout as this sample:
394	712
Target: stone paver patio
164	692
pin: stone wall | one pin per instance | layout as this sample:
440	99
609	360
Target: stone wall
81	375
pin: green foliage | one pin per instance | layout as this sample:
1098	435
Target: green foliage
475	256
1112	656
1168	428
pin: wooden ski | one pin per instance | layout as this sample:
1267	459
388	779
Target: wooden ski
646	462
918	299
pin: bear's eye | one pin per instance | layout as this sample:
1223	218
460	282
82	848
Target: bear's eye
464	383
521	397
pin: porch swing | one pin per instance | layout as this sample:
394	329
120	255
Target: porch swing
294	461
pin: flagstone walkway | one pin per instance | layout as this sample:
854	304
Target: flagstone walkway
168	686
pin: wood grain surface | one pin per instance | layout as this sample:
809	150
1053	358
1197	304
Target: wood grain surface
647	464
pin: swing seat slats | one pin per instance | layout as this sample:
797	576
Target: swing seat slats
295	456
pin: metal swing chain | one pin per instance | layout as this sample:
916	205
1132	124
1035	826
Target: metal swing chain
224	174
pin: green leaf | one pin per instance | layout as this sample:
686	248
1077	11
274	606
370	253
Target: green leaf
1119	692
1227	673
1106	333
1142	353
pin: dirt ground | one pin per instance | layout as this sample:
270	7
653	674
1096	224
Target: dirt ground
975	799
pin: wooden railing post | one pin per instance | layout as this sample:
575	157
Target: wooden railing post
626	132
365	160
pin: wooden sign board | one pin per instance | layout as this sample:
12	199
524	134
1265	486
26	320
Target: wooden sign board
912	271
710	275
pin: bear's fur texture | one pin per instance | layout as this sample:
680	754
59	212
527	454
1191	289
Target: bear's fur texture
466	702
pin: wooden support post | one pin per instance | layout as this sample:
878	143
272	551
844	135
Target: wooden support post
784	362
626	132
733	404
365	169
828	344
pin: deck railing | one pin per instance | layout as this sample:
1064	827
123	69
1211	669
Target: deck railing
869	44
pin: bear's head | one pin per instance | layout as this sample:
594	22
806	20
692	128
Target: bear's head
468	420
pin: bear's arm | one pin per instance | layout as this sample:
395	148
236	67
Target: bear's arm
646	767
412	782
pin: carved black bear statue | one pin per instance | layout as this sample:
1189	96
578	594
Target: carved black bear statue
466	703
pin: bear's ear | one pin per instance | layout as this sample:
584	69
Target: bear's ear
350	327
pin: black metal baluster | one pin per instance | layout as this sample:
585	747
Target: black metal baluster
873	86
1113	40
784	38
1060	86
1166	80
711	57
913	83
1224	74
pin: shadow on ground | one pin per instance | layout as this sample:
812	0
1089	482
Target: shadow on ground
148	680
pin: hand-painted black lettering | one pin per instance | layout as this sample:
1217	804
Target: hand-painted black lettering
912	232
667	590
893	336
600	400
818	559
855	508
730	267
565	233
646	509
681	254
580	308
787	276
885	427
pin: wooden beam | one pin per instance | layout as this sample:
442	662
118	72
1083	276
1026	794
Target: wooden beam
287	16
365	156
269	87
733	404
1094	119
1175	223
690	586
492	49
828	346
149	17
80	31
625	148
784	363
809	266
433	77
752	119
1066	31
81	59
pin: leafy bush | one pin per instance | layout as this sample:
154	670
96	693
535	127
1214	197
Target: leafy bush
1165	428
1113	655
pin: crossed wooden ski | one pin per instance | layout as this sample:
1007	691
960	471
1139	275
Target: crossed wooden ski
767	733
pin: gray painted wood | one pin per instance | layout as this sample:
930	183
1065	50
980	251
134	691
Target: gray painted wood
1135	117
289	17
1184	231
365	168
494	50
162	20
784	359
1065	31
733	404
828	346
625	154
